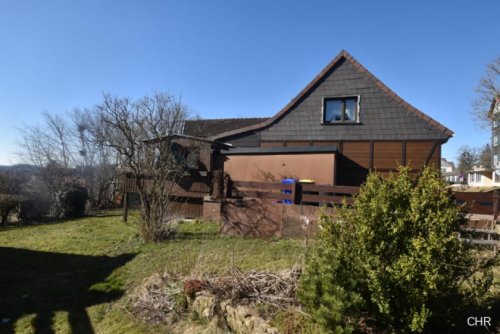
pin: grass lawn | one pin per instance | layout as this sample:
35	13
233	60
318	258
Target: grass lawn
75	276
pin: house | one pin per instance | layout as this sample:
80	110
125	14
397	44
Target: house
494	116
344	123
480	176
450	173
447	166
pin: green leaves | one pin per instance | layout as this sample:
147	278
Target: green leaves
393	257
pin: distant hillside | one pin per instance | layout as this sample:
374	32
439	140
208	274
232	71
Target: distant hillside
23	169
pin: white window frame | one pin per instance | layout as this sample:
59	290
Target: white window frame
341	97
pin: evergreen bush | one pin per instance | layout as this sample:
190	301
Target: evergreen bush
394	260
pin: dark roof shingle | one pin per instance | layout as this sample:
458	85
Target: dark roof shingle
212	127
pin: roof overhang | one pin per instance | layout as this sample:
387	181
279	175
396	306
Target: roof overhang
279	150
187	137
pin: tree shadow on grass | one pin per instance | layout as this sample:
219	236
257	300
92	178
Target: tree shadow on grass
42	283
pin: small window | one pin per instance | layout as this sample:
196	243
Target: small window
339	110
496	160
495	140
497	177
495	123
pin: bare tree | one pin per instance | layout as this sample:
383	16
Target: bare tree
467	159
487	89
49	146
139	132
484	157
10	188
96	163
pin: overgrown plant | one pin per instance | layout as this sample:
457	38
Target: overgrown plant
394	260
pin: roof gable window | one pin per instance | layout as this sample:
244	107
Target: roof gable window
340	110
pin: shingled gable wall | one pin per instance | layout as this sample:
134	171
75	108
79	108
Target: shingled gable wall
381	117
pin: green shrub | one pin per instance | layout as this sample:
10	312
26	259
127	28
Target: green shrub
393	260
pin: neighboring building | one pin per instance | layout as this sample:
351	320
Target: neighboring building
341	125
447	166
480	176
450	173
494	115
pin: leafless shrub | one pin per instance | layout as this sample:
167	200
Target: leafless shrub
140	133
158	299
275	289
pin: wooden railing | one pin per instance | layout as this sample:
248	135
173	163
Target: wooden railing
311	193
481	237
291	193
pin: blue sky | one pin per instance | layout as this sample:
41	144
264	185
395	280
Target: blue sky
239	58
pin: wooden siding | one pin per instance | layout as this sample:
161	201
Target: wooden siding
387	155
353	163
275	167
358	158
298	143
189	187
188	207
357	153
325	143
272	144
417	153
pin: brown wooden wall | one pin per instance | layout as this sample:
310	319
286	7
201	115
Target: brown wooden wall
358	157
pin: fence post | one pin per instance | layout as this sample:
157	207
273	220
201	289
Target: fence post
297	193
217	184
495	204
229	186
125	207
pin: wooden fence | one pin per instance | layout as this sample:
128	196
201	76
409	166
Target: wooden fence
479	231
481	203
309	194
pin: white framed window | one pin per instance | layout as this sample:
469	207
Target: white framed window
495	140
478	178
496	160
340	110
496	177
495	123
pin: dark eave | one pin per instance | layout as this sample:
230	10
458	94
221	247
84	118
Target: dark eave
181	136
214	127
342	55
279	150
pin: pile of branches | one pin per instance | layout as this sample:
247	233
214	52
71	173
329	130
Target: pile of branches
161	298
157	298
276	289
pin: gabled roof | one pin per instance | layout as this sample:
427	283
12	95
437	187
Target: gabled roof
446	163
214	127
342	55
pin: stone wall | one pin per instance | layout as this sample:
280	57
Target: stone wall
240	319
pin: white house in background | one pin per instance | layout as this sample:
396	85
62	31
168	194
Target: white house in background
494	116
480	176
449	172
